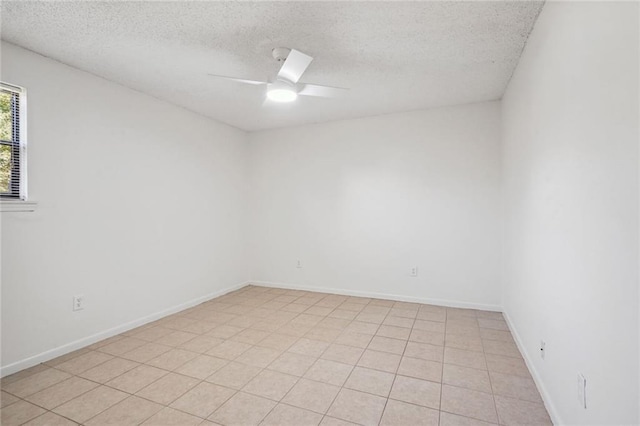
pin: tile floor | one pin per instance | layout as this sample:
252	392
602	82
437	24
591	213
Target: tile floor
282	357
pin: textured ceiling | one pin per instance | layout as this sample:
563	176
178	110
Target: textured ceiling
394	56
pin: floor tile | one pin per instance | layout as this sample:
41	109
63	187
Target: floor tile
358	407
354	307
507	365
224	331
424	351
460	313
448	419
19	413
458	341
90	404
202	366
332	421
335	323
515	387
201	344
416	391
501	348
83	362
468	403
176	338
292	363
36	382
379	361
489	315
323	334
400	413
464	330
50	419
294	330
234	375
404	313
331	372
430	337
281	342
362	327
465	358
243	410
311	395
490	334
250	336
399	322
342	353
229	349
371	317
109	370
203	399
122	346
426	325
23	374
421	369
7	399
308	347
343	314
270	384
134	380
286	415
431	316
387	344
151	334
168	388
60	393
370	381
258	356
355	339
493	324
172	359
517	412
146	352
394	332
130	412
170	417
465	377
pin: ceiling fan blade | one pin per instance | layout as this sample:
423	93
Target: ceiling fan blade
294	66
239	80
322	91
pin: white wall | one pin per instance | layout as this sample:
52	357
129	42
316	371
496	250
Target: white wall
141	208
570	117
360	202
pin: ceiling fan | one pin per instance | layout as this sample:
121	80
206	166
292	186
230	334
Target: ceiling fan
286	86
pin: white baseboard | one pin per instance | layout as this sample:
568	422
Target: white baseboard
89	340
546	398
400	298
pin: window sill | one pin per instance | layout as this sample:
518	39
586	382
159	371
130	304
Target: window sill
17	206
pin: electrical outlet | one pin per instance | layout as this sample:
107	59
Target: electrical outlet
543	348
78	302
413	272
582	391
299	264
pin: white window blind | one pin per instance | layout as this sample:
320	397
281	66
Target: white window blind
12	142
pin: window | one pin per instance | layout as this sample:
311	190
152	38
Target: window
12	142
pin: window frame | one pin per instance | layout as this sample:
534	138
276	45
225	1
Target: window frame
21	148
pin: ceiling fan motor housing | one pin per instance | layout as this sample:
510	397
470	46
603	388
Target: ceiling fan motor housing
280	53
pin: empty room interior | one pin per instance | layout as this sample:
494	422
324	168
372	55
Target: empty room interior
320	213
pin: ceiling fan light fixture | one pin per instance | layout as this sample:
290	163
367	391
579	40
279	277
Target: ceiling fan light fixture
282	91
282	95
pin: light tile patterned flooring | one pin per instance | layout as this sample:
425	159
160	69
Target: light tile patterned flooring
283	357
